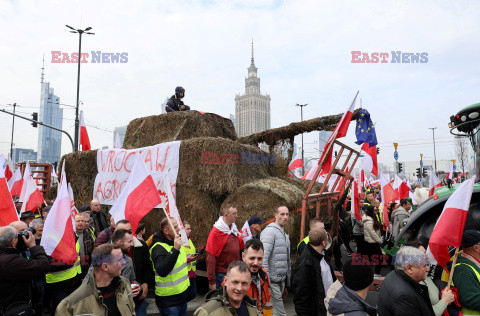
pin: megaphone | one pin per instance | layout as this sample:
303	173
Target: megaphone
329	241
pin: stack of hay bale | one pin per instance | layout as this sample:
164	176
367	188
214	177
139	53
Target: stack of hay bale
253	184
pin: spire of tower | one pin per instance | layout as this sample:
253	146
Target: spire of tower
43	68
252	51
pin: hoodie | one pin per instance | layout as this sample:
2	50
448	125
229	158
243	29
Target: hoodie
341	300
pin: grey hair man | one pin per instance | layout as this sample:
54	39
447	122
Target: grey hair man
401	292
37	224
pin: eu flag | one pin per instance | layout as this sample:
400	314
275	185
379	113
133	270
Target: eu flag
365	130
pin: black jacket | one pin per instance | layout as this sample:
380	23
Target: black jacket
16	273
174	104
163	262
401	295
308	290
100	221
142	266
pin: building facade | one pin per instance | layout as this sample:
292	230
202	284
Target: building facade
49	140
252	109
24	154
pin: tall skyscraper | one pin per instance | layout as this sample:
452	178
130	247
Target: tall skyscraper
49	140
252	109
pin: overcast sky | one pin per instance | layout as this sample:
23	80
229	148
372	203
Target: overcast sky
302	49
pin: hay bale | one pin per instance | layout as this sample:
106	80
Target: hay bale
219	166
168	127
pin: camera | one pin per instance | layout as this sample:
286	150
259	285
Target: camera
21	244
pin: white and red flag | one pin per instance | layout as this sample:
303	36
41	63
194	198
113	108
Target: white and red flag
388	195
138	197
84	140
33	197
403	190
8	212
8	169
310	173
339	132
73	209
369	161
58	237
448	230
27	174
433	183
396	184
297	161
15	183
246	232
356	200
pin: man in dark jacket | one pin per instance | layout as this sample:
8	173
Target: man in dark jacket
401	293
17	272
100	221
312	276
170	267
175	103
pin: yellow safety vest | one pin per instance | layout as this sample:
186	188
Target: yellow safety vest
192	265
177	280
306	240
55	277
467	311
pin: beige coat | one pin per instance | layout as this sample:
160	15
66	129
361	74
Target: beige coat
86	300
372	236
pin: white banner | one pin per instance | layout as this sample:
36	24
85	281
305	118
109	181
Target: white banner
114	166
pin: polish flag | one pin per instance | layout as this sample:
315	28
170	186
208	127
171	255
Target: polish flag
8	212
450	173
9	169
118	143
58	237
297	162
54	176
246	232
433	183
339	132
369	161
27	174
138	197
396	184
403	190
73	209
84	140
15	183
448	230
356	200
33	197
310	173
388	195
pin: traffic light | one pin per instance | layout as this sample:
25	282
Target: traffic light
419	172
35	118
336	154
424	172
400	167
378	151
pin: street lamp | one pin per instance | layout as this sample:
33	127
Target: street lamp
434	153
301	118
80	32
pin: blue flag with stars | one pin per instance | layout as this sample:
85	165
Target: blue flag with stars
364	129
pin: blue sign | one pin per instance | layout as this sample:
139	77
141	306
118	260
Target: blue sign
421	163
454	167
395	155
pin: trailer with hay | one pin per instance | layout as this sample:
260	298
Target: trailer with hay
208	177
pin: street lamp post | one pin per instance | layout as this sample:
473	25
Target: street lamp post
434	153
13	127
80	33
301	118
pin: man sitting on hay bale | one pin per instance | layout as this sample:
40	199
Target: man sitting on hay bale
175	103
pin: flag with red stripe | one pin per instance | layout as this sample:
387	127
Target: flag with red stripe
448	230
84	139
433	183
8	212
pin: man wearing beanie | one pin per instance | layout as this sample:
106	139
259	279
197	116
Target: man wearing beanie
466	276
312	276
348	298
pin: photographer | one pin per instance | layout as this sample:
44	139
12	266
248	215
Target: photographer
16	272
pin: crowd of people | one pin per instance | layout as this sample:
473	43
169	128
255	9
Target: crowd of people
116	267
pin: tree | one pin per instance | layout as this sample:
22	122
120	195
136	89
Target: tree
461	151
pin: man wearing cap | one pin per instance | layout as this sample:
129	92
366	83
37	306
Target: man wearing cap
255	224
27	217
466	276
348	297
18	204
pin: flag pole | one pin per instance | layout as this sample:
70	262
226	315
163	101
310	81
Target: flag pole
165	209
454	262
